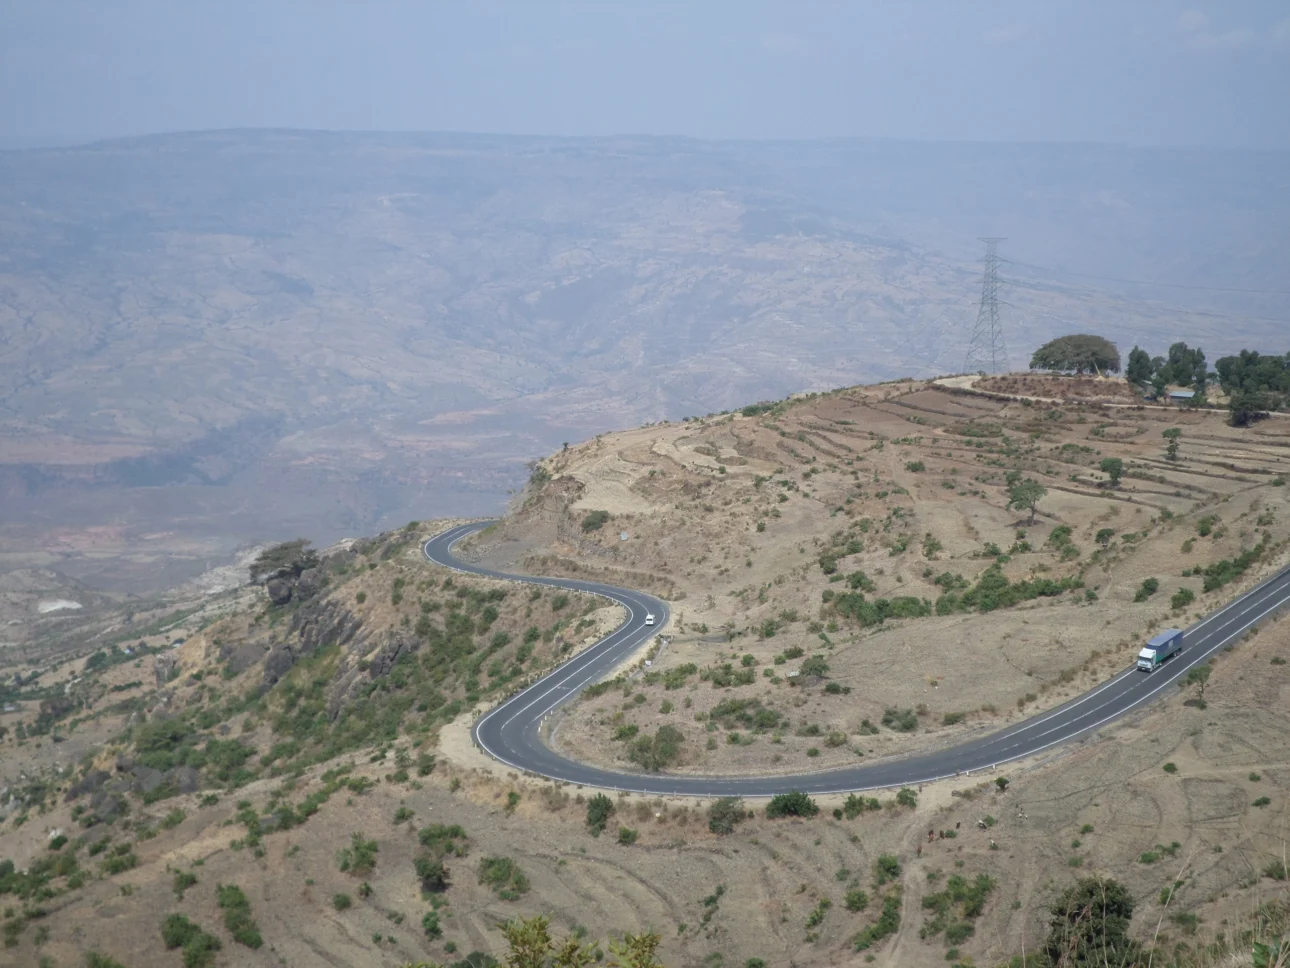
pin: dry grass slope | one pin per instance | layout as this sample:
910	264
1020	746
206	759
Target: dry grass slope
894	493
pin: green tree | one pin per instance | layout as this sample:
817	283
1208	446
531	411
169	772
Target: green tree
1079	353
725	814
532	946
1089	925
655	752
287	559
595	520
1186	366
1172	435
1198	676
1254	373
1026	495
237	915
636	951
795	804
1113	468
359	858
1247	407
198	946
432	873
815	666
599	809
1148	588
1159	384
1139	368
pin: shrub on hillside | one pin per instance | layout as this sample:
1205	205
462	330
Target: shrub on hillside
199	947
725	814
359	858
653	753
504	876
432	873
900	720
856	805
888	923
886	868
599	809
1148	588
1089	924
237	915
794	804
443	839
815	666
595	520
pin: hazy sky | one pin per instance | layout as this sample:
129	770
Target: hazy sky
1138	71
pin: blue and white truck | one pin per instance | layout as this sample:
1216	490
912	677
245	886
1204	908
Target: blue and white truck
1168	643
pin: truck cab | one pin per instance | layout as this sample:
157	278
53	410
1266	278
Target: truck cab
1161	648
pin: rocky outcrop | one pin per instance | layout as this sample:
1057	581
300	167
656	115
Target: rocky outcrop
185	779
278	663
323	623
345	688
89	783
146	779
355	676
107	804
243	658
164	666
279	590
400	643
107	792
316	625
302	579
310	583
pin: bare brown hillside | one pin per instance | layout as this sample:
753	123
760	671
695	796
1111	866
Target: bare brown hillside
300	747
1112	806
779	534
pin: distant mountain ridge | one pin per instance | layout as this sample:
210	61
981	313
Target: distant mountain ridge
412	317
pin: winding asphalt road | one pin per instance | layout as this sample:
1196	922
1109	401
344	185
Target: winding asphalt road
511	732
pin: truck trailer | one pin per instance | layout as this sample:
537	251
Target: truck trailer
1168	643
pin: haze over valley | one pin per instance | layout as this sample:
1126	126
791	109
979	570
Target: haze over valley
222	338
644	484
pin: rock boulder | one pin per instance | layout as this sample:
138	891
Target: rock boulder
279	590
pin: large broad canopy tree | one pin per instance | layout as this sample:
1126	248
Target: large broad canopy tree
1079	353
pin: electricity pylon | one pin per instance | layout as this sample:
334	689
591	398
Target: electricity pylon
986	350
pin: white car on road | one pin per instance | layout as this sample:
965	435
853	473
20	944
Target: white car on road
649	618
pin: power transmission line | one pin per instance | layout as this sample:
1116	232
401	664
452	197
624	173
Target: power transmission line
1144	282
986	349
1073	287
